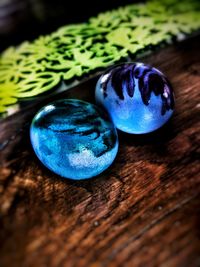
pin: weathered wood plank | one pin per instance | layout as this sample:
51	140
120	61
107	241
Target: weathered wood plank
143	211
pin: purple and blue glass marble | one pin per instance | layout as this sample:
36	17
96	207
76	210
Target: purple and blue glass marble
74	139
138	97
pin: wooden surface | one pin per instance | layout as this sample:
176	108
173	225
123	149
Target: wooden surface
143	211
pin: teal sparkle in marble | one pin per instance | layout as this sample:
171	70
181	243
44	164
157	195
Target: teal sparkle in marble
74	139
138	97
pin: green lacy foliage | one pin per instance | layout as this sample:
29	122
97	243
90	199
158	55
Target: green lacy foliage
74	50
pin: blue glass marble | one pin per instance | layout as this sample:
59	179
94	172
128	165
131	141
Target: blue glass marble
138	97
74	139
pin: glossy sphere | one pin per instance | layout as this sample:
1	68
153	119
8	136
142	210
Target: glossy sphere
74	139
139	98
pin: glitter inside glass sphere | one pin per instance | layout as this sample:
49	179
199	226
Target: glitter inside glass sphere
74	139
138	97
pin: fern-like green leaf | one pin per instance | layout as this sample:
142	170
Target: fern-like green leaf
72	51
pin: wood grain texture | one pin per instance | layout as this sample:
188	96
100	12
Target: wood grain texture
143	211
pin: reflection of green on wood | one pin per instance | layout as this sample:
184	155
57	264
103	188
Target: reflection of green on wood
36	67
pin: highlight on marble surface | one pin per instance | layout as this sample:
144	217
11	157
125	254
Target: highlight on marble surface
74	139
138	97
73	51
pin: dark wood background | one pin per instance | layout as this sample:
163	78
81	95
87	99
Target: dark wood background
26	19
143	211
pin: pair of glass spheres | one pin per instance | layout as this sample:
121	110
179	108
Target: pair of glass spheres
78	140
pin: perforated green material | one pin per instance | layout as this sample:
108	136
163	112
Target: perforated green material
74	50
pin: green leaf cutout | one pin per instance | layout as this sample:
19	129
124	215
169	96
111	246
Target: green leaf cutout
72	51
